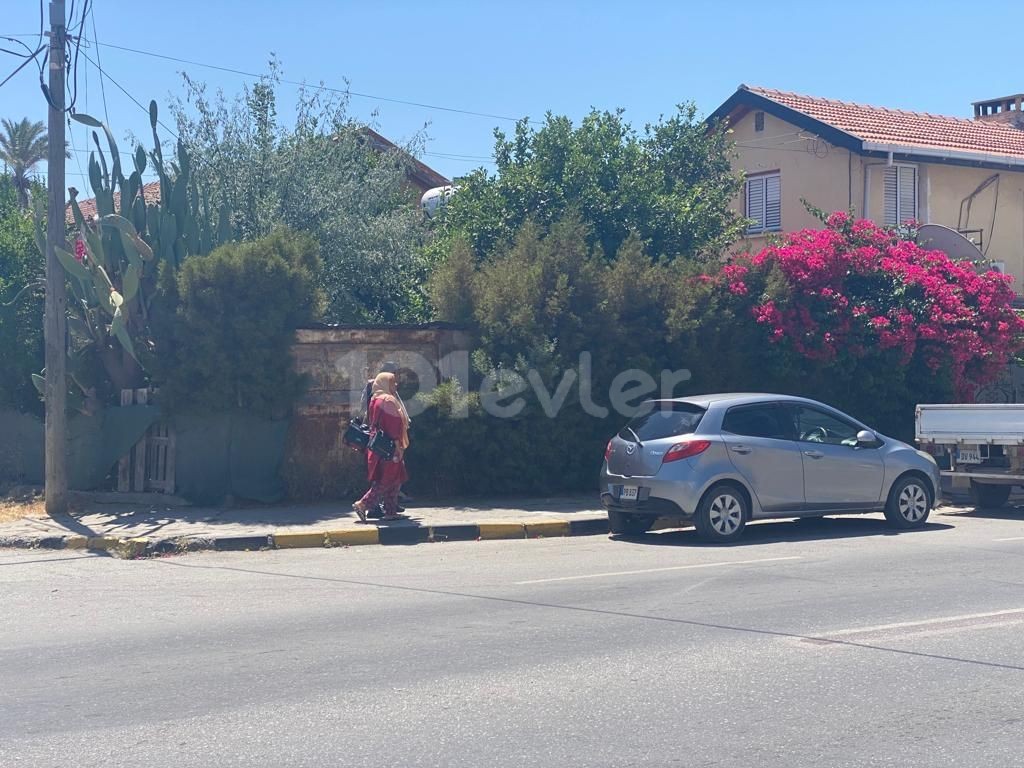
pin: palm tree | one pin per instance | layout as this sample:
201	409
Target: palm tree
22	146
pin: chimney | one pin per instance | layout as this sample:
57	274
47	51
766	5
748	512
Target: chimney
1008	109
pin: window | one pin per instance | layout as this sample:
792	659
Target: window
759	121
816	426
663	420
764	203
761	420
900	194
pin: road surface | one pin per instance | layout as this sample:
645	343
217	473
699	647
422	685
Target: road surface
826	643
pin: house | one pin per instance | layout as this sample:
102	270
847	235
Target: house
887	165
418	175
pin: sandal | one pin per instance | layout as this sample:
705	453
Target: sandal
360	510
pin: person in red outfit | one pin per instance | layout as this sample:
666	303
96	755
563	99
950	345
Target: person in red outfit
387	414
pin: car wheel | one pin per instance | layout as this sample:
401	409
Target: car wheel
986	496
909	503
722	514
628	524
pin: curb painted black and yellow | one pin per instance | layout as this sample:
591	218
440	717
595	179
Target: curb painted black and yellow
134	548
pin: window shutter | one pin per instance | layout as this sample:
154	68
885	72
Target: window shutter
908	193
900	194
892	212
755	203
772	202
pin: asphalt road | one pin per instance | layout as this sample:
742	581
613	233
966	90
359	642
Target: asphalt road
830	643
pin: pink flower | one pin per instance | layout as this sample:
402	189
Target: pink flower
79	250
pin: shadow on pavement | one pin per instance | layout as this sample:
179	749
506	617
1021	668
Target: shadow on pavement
806	529
1008	512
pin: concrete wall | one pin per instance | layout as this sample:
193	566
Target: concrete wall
832	178
338	361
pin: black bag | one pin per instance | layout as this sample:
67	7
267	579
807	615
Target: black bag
357	435
381	444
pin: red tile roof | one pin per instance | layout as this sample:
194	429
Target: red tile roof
899	127
150	193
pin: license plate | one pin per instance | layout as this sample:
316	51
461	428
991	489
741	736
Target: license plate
629	493
968	456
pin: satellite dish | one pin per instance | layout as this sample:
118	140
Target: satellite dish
435	198
936	237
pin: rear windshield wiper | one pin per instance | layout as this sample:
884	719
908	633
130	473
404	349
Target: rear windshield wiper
634	434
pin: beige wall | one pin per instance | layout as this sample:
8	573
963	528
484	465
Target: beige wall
832	178
825	175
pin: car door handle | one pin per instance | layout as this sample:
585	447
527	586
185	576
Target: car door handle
741	449
814	454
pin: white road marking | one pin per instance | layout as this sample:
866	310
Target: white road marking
660	570
1012	538
920	623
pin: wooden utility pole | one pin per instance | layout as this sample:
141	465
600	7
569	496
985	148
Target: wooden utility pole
55	318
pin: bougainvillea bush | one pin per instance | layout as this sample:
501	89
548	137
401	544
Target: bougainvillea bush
858	315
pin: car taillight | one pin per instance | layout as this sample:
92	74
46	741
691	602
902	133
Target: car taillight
608	451
685	450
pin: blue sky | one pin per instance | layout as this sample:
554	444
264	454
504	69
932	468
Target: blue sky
524	58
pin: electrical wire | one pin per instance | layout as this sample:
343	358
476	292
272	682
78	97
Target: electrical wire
72	66
20	67
121	88
323	87
103	88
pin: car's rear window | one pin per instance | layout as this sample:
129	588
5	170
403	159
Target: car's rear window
663	420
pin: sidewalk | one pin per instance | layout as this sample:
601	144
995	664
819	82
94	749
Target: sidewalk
138	530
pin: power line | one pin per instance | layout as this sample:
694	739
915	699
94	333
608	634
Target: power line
120	87
103	88
323	87
20	67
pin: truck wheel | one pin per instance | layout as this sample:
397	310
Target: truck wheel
909	503
988	496
630	525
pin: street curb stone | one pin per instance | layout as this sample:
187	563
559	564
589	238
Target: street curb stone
133	548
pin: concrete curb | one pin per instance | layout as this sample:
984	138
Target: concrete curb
135	548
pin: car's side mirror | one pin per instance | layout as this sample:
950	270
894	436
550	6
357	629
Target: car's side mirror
866	439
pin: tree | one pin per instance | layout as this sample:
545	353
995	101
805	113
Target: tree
21	320
318	175
671	185
23	145
235	325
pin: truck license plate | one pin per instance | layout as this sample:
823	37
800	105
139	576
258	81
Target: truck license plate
629	493
968	456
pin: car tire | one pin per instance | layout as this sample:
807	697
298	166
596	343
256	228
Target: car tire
987	496
909	503
722	514
628	524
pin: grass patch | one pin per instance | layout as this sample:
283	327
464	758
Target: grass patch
21	503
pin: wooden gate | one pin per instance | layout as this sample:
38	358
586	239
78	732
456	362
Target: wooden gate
149	466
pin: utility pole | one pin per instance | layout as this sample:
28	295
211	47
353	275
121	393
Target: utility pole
55	317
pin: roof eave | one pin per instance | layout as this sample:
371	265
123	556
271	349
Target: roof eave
744	100
948	156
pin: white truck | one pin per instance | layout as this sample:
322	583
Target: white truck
984	445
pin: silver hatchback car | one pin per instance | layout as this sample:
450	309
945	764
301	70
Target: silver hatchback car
719	461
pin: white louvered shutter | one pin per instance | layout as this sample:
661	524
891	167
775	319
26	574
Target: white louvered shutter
900	194
892	196
755	203
908	193
772	202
